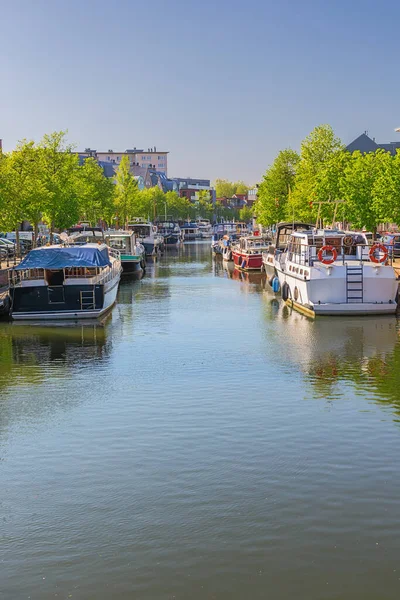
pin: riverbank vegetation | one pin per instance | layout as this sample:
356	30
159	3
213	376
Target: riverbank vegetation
323	171
48	182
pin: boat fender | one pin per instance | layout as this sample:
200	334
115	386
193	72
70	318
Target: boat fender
243	264
275	285
285	292
271	279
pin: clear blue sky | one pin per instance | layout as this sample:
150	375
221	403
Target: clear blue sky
223	85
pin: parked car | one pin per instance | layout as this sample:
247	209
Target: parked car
7	247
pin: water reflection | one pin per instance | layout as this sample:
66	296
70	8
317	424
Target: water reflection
363	351
254	280
27	350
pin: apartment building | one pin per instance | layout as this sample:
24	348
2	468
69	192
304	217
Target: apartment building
150	158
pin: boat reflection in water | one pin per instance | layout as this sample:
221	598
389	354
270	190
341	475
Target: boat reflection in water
363	351
251	278
27	352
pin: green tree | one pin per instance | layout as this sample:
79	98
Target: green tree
362	178
329	186
126	193
386	188
246	214
59	167
95	192
241	187
227	189
273	193
177	207
224	188
316	149
23	192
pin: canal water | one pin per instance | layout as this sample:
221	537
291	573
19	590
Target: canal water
202	442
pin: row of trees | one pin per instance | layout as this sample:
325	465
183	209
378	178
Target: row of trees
368	184
47	182
227	189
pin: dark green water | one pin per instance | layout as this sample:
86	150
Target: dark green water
201	443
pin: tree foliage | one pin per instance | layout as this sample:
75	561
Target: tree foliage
125	192
227	189
316	149
95	193
275	188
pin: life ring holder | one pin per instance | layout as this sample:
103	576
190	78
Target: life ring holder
323	251
382	249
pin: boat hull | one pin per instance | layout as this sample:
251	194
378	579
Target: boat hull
172	240
24	304
131	265
247	262
325	290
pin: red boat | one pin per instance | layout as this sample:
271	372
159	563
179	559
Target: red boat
247	254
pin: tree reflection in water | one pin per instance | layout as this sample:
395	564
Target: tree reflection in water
362	351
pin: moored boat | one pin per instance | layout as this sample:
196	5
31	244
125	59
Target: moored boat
247	253
170	231
282	234
330	272
147	235
132	253
204	228
65	282
190	231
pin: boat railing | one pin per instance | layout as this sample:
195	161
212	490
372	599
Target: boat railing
307	255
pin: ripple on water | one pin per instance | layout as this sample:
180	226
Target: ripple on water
201	442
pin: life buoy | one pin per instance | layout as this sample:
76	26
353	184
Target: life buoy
381	248
324	250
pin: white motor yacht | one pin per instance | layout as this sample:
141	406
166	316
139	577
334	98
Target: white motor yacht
330	272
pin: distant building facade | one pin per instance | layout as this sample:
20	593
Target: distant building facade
152	158
252	196
189	188
366	144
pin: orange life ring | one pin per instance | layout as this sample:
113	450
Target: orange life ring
381	248
323	251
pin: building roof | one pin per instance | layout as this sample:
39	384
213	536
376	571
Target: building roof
365	144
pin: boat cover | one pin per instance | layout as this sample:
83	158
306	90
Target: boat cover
63	257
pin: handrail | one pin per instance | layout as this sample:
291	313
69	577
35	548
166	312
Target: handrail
308	254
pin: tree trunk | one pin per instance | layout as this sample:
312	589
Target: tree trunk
35	234
17	244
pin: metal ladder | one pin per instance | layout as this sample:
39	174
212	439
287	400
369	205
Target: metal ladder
354	284
88	300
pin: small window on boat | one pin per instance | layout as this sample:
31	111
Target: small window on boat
301	271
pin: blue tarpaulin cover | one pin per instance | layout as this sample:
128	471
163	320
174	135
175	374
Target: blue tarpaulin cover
63	257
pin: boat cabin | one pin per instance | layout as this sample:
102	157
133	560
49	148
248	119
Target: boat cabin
142	229
304	247
254	244
123	241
